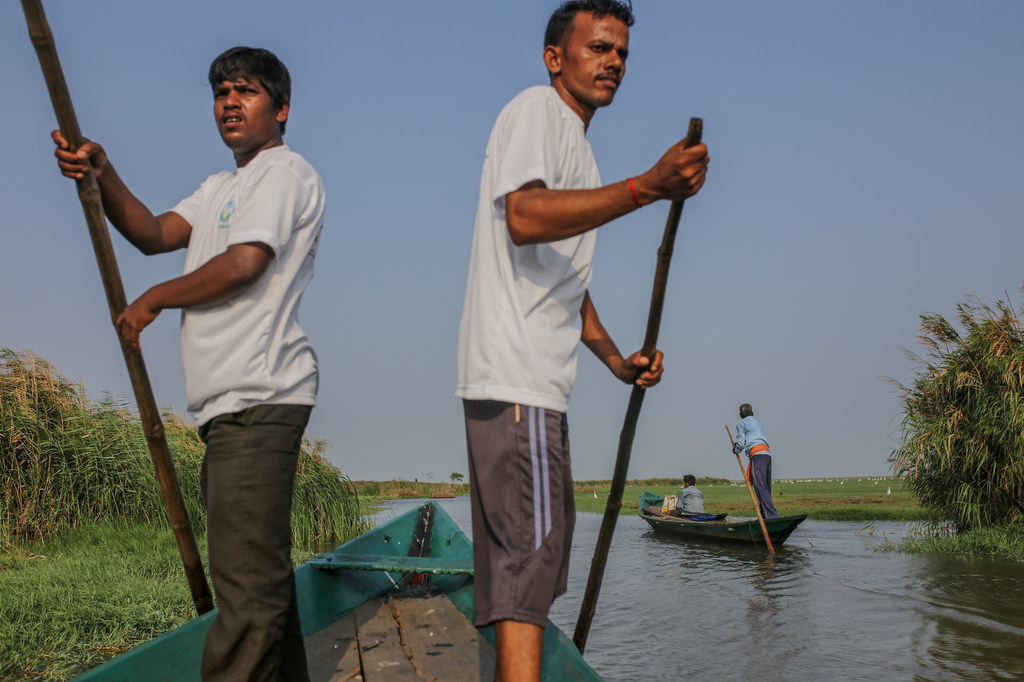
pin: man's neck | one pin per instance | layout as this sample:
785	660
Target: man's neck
584	112
242	159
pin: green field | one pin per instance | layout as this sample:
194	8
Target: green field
864	498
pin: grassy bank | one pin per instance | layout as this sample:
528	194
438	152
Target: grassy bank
374	492
836	499
1005	542
78	598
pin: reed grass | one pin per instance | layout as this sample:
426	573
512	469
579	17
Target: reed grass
962	446
66	461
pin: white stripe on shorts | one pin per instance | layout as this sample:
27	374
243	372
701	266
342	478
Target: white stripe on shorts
541	483
531	424
545	480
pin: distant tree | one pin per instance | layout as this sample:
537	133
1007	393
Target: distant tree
456	477
962	446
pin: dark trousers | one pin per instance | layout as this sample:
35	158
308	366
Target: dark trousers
761	478
247	480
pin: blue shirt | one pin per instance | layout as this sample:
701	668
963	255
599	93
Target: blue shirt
690	499
749	432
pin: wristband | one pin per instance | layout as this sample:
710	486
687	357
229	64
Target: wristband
633	190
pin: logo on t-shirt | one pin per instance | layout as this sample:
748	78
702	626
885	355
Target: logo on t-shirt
225	215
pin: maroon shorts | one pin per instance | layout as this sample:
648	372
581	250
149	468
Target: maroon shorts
524	509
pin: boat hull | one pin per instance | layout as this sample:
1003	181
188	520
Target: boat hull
746	531
325	596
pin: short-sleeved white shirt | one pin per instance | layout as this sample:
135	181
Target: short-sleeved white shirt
521	320
249	350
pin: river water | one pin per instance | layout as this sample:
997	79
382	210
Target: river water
828	606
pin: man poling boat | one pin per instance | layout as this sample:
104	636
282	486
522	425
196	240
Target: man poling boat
251	236
527	308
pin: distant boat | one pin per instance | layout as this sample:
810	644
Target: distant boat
394	601
715	526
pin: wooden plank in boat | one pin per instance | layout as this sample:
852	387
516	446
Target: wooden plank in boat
441	642
380	645
333	653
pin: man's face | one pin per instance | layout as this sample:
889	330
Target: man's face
589	67
247	119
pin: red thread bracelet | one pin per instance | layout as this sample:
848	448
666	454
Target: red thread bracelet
633	190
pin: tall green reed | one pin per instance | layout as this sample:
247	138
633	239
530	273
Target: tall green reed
65	461
962	446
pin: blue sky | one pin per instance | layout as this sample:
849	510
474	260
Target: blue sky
866	168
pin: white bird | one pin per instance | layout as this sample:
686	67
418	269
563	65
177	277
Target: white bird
595	493
888	491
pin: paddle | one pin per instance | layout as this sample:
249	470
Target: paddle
753	497
636	399
89	194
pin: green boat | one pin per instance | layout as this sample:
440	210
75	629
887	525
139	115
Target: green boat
721	529
413	572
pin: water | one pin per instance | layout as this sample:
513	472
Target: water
828	606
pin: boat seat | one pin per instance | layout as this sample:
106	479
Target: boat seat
402	564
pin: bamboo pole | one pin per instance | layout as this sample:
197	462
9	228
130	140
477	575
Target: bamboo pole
753	497
89	194
636	399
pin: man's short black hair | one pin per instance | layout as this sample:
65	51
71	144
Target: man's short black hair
260	64
746	410
690	478
561	20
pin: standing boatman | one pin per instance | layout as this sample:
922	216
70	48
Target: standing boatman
527	307
250	371
751	439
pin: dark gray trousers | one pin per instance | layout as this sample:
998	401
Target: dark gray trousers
761	478
247	480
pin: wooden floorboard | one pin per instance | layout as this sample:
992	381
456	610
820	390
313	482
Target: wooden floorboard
333	653
440	642
380	645
424	638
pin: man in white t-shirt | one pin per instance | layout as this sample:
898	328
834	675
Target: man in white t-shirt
250	371
526	310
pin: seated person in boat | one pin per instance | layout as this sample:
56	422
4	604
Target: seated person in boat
690	499
527	308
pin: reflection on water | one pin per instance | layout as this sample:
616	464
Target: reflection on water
827	606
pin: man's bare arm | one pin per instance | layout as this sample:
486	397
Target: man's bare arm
150	234
596	338
536	214
220	278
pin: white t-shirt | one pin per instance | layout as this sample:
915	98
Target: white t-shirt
521	318
249	350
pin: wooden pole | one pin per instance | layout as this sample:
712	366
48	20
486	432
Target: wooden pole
89	194
636	399
753	497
